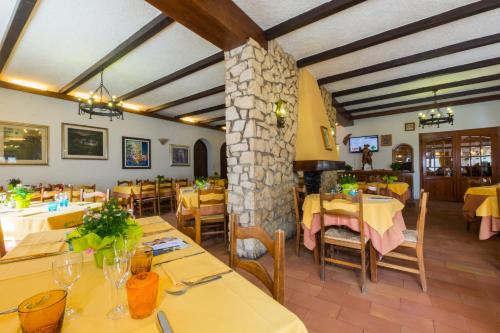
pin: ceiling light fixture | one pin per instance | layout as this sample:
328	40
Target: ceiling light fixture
435	116
104	105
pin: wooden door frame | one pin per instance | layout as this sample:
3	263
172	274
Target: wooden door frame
194	156
455	135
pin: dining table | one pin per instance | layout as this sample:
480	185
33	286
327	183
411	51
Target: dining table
384	223
482	202
188	199
18	223
399	190
228	304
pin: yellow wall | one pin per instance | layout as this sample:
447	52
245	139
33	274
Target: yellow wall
312	115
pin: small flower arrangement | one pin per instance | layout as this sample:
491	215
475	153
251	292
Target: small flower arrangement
22	196
201	183
13	182
349	184
390	179
102	230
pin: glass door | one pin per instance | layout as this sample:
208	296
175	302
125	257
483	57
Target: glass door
438	167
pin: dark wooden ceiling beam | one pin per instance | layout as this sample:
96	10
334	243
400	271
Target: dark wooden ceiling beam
431	54
57	95
465	101
212	120
220	22
411	78
202	111
186	99
402	31
15	27
149	30
311	16
343	118
442	86
179	74
427	99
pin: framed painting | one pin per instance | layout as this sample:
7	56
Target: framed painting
136	153
23	144
84	142
409	127
386	140
179	155
325	134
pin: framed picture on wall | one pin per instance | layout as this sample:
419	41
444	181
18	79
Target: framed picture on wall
84	142
326	138
23	144
409	127
386	140
136	153
179	155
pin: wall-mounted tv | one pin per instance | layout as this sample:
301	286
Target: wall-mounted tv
356	143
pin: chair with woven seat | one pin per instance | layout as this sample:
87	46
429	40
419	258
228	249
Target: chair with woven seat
147	196
95	196
413	239
340	237
276	249
166	192
210	215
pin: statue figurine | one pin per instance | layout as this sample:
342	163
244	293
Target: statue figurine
366	158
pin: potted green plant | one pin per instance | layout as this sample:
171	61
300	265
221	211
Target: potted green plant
201	182
348	167
13	182
395	166
349	183
102	232
390	179
22	196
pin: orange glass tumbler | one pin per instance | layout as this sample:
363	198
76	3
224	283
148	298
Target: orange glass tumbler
43	312
141	294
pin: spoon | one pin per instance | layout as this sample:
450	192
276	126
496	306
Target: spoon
186	285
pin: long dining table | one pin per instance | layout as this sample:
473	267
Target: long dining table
229	304
482	202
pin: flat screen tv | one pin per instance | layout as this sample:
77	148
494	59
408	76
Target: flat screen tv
356	143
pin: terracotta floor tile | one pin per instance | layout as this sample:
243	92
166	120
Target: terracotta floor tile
483	326
433	313
315	304
344	299
366	321
443	328
417	323
325	324
301	286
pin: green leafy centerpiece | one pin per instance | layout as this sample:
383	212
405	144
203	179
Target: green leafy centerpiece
103	231
13	182
349	183
201	183
390	179
22	196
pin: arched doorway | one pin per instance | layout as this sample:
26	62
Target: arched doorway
223	161
200	159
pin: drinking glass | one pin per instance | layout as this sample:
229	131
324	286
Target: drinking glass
66	270
116	270
142	290
141	260
43	312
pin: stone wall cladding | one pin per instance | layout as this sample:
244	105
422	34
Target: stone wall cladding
329	178
260	155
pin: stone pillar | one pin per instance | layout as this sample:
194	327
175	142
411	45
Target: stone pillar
329	178
260	155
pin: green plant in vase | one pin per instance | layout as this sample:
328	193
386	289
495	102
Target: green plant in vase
22	196
102	232
201	182
395	166
390	179
349	183
13	182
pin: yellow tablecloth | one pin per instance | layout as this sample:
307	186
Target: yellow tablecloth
230	304
127	190
489	207
18	223
490	190
189	197
397	187
378	214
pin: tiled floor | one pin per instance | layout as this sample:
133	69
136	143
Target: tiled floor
463	284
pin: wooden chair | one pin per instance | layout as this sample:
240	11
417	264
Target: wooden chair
95	196
414	239
210	224
147	195
276	249
298	200
56	187
166	192
48	194
2	243
124	183
343	237
74	191
184	216
139	181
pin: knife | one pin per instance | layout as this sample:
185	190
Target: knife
163	322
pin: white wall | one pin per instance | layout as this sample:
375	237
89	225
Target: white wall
466	117
28	108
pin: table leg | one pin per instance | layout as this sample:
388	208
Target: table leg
373	263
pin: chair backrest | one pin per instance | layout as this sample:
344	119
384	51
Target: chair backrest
147	189
358	214
139	181
165	185
64	221
183	182
49	194
498	197
422	212
95	196
213	196
36	193
124	183
384	190
276	249
298	200
476	182
55	187
74	191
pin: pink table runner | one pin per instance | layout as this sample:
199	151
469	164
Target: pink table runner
390	240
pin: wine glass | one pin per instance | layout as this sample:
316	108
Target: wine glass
66	270
116	270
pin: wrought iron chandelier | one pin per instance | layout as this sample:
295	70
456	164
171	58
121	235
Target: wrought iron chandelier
435	116
96	105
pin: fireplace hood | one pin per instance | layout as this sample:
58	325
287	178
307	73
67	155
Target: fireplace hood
315	148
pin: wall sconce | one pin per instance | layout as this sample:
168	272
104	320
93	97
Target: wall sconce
163	141
279	109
